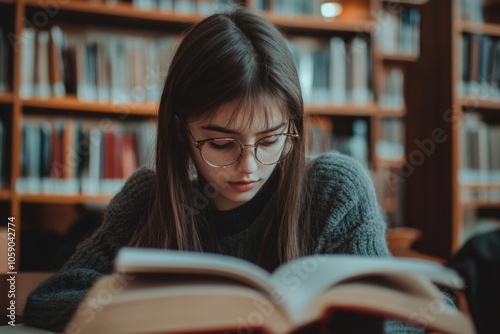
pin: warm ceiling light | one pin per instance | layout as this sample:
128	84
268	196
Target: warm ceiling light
331	9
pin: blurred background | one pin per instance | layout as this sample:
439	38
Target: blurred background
410	89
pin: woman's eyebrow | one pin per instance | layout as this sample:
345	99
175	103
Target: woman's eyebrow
229	131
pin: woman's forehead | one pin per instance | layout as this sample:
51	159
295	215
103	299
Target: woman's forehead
246	117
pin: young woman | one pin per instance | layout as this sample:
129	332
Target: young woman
231	173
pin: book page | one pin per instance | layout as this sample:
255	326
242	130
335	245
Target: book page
382	300
302	280
148	260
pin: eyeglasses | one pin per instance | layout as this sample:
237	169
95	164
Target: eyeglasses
225	152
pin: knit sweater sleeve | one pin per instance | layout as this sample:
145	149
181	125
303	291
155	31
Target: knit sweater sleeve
346	207
352	222
53	303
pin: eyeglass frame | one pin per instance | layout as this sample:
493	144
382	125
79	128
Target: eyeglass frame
199	144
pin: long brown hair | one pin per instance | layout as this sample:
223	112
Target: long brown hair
227	57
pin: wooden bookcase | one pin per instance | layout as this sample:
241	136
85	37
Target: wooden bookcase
359	18
474	101
435	187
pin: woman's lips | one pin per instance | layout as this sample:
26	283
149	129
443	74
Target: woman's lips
243	186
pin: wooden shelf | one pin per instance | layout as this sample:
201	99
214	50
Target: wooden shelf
480	186
389	163
315	23
351	109
408	2
478	28
5	97
72	103
474	102
64	199
120	10
388	113
4	195
481	204
348	109
398	57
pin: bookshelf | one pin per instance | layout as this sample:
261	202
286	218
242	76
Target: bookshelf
454	184
357	21
476	114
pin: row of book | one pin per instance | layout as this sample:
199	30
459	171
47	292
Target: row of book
399	31
351	137
480	66
70	156
472	11
483	195
391	95
95	65
480	151
347	137
476	223
294	7
392	139
181	6
206	7
4	62
119	68
333	71
91	63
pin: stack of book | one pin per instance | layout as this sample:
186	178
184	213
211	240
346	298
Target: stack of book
159	291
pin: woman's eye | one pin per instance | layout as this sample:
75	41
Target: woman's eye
221	145
270	142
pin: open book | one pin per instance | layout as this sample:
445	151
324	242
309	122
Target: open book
165	291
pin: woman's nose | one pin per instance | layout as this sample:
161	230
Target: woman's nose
248	163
